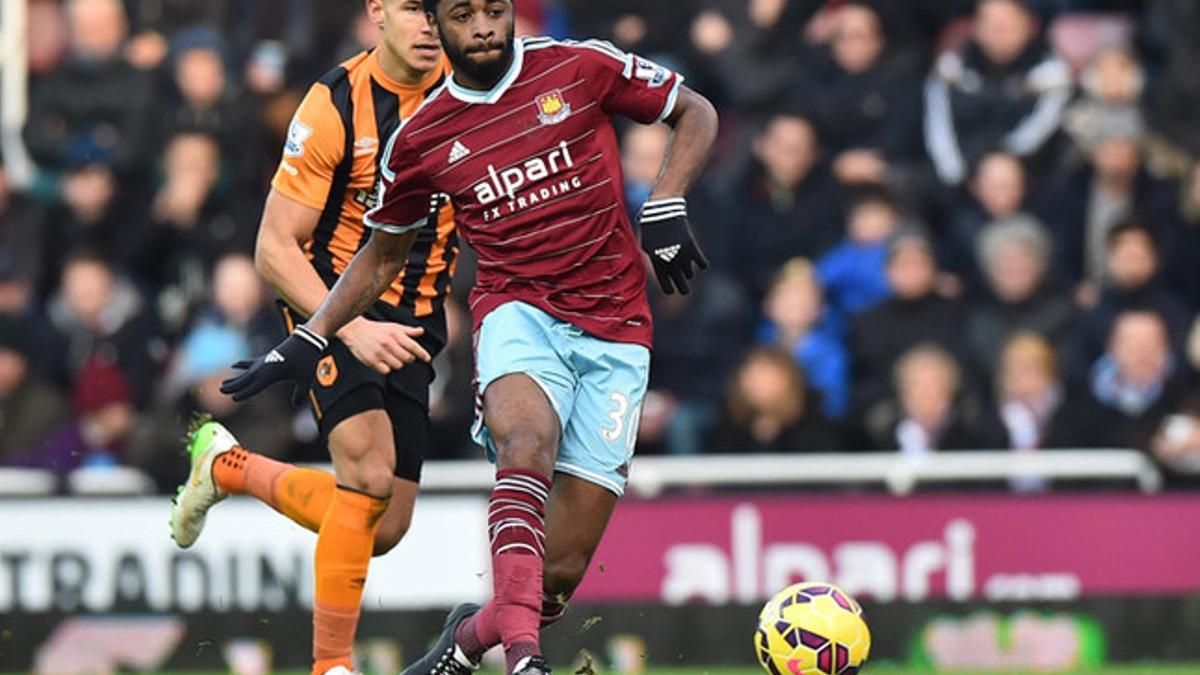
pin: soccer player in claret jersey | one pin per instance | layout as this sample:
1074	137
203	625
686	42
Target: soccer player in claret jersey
520	138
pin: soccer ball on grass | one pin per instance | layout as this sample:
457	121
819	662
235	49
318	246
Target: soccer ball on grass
812	629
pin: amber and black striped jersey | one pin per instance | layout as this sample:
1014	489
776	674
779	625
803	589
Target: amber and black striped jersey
330	162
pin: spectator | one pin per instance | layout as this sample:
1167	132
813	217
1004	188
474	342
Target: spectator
915	314
92	214
1015	256
95	98
1134	386
239	302
796	322
926	414
768	408
1133	281
30	410
192	387
1005	89
868	105
697	341
208	102
853	274
997	191
786	203
452	394
1112	88
1094	199
104	416
191	224
1030	409
96	314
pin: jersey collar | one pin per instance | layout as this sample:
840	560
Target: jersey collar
492	95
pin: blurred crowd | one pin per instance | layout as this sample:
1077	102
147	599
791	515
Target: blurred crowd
933	225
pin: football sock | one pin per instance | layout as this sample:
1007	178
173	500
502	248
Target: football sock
344	546
303	495
483	623
516	527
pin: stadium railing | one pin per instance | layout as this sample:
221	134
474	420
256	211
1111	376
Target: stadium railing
899	474
652	475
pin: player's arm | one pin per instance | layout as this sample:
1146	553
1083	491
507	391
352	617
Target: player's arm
695	125
666	235
287	225
295	359
371	273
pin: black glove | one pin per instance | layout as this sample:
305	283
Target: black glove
293	360
668	240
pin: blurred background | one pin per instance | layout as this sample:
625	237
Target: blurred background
946	354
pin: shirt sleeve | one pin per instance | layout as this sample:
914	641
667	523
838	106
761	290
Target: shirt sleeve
314	147
406	197
633	86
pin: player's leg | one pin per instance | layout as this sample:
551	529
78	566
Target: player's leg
576	517
528	390
222	467
363	452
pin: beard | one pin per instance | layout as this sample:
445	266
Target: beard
487	73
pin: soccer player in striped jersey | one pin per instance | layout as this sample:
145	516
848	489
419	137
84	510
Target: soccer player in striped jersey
521	139
371	396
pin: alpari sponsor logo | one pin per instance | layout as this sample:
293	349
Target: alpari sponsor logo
507	185
750	570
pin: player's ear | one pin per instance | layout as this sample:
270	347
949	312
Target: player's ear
375	12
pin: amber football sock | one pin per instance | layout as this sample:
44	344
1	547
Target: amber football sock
303	495
344	546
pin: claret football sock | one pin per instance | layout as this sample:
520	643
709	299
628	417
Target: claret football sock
344	546
303	495
516	526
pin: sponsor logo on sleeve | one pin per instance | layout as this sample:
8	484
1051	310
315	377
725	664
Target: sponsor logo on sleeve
297	135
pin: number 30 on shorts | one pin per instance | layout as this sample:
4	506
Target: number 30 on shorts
624	421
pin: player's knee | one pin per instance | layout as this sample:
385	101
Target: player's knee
526	445
363	464
563	573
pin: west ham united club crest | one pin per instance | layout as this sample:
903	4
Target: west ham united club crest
553	107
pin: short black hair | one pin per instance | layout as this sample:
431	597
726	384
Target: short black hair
432	5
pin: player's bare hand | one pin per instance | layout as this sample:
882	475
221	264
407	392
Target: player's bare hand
384	346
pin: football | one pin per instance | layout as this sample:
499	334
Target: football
812	629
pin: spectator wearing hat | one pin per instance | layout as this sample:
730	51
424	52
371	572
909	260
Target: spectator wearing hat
1111	87
916	313
1006	88
103	417
30	409
1111	187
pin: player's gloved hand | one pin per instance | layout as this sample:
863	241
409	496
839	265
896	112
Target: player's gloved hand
293	360
667	239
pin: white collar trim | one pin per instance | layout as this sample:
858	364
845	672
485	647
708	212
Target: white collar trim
492	95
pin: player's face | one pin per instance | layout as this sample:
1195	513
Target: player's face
478	37
407	33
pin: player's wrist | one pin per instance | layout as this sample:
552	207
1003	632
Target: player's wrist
662	210
312	337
